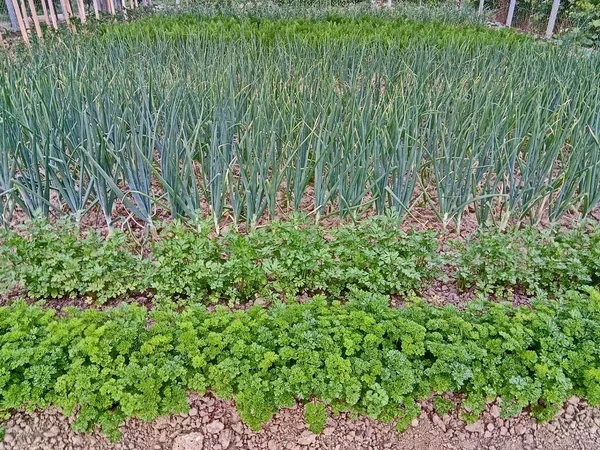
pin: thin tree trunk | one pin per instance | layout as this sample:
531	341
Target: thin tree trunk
64	11
67	5
96	9
481	5
66	15
34	16
22	26
552	20
511	12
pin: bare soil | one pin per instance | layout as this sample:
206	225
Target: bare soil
214	424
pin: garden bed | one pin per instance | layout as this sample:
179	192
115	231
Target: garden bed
288	220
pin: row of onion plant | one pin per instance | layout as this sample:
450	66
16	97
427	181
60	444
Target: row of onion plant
242	129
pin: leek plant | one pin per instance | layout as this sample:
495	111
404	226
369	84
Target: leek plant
248	118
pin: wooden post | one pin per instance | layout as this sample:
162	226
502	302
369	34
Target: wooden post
481	5
552	20
34	16
24	14
20	21
66	15
52	13
511	12
10	9
45	11
68	7
81	10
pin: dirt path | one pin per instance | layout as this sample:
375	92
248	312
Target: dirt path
214	424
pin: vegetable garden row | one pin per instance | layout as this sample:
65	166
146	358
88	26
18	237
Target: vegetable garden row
293	258
344	347
242	117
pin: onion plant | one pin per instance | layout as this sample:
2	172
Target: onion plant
248	117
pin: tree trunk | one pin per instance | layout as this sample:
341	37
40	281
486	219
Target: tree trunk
481	5
81	10
552	20
24	15
45	11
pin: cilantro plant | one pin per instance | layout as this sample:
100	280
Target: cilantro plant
534	260
290	258
56	261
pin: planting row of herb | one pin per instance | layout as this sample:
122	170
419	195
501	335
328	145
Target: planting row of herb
224	122
364	357
288	259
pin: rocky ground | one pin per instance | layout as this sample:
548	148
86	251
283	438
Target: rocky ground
214	424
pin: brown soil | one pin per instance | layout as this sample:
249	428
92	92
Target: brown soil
420	216
214	424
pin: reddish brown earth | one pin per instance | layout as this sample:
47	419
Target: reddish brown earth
213	424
